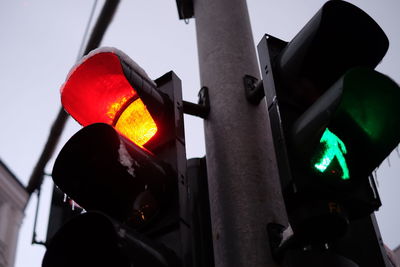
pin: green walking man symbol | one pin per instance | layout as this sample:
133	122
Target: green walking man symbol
334	147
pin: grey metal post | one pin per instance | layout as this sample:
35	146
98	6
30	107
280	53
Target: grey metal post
243	179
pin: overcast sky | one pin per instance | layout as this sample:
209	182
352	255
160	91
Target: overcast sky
40	42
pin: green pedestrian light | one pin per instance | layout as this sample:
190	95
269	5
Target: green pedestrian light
351	128
332	147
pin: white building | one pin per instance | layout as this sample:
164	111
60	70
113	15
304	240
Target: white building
13	198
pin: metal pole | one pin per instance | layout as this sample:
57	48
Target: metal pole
243	179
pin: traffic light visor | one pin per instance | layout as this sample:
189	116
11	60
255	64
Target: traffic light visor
371	101
339	37
97	90
101	170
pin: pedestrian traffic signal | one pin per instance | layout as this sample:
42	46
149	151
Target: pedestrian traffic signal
354	124
333	117
128	162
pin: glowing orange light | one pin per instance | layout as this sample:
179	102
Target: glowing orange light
136	123
114	108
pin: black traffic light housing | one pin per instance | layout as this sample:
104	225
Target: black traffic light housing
101	170
304	87
321	86
94	239
141	187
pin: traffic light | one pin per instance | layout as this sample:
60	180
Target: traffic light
109	87
126	167
353	127
333	118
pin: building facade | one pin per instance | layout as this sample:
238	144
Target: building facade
13	198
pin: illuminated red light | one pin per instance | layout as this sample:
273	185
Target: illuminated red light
98	91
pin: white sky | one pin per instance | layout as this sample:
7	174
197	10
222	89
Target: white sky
39	44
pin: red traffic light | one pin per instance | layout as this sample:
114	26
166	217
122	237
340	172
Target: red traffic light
107	165
98	90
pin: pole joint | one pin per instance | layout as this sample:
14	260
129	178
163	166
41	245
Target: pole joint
202	109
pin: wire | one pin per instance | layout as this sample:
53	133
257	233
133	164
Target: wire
85	35
95	38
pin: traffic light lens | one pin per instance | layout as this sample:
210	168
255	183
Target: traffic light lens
332	148
97	90
136	123
371	101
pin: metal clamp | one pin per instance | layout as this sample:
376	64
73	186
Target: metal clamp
254	89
